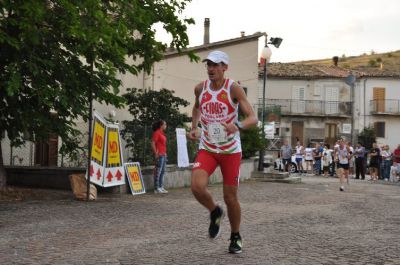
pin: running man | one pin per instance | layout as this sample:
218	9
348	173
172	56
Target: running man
217	101
343	155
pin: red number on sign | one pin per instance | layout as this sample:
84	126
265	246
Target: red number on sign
135	176
98	141
112	147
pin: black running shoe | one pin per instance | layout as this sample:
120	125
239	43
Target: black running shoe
235	247
216	217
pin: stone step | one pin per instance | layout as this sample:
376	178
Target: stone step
289	180
281	177
269	175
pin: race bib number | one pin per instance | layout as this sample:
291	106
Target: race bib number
216	133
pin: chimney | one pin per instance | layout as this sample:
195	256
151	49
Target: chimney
335	60
206	31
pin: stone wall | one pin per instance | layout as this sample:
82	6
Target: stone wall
57	178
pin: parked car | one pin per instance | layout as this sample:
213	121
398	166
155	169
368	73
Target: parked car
278	165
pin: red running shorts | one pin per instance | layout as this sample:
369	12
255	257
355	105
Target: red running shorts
229	164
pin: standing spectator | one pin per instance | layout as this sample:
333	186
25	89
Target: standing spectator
395	169
374	161
386	162
317	158
396	155
351	160
299	157
360	160
308	156
159	146
334	157
286	155
326	159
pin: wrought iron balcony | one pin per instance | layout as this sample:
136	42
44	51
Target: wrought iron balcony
385	106
310	107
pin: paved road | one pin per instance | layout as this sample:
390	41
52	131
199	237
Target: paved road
308	223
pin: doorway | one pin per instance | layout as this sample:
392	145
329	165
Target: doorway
330	134
297	132
46	152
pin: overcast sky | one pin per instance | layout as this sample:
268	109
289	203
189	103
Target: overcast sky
311	29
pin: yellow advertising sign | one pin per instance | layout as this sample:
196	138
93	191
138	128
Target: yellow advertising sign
135	178
98	141
113	151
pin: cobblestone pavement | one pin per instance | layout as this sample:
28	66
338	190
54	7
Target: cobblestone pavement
308	223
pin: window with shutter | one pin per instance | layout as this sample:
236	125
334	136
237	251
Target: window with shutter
379	99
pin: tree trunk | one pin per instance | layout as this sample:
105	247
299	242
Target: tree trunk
3	173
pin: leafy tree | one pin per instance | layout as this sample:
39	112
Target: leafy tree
57	55
147	107
367	136
252	141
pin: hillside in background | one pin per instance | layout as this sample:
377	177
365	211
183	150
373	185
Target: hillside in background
390	61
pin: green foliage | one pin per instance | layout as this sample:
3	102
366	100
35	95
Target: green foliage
272	112
379	59
252	141
54	52
372	63
147	107
367	136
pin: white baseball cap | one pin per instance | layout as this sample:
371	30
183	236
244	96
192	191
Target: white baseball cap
217	57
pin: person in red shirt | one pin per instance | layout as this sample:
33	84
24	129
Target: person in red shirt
395	168
396	155
159	146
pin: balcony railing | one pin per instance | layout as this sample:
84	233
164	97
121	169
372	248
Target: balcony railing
385	106
310	107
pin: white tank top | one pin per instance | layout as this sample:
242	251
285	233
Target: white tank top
298	151
308	153
343	153
216	107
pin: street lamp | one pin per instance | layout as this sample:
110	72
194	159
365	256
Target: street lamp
350	80
266	54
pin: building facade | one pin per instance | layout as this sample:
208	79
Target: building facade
323	103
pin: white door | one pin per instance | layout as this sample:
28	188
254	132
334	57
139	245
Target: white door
331	100
298	102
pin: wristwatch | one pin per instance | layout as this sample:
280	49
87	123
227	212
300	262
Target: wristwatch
239	124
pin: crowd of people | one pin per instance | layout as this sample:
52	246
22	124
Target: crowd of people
344	160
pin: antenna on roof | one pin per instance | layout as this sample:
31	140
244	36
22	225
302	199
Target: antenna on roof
350	80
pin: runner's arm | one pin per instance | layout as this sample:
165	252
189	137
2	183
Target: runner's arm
238	95
195	113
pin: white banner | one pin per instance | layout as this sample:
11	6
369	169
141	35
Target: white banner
346	128
183	157
269	129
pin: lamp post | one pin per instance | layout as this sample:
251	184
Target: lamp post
266	54
350	81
